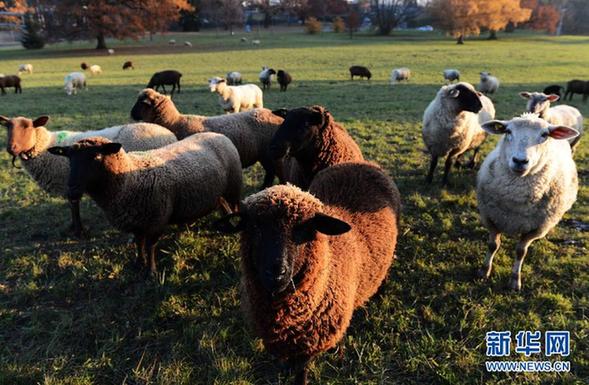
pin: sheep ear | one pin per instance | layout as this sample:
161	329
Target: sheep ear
525	95
496	127
229	225
40	121
62	151
4	120
552	97
318	115
562	132
282	112
109	148
328	225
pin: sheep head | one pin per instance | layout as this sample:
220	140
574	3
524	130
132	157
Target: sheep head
538	102
22	135
462	97
525	140
148	104
281	229
216	84
87	159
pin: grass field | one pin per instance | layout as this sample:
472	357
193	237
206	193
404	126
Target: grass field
74	312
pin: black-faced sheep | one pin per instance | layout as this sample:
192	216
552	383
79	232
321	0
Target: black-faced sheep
525	185
127	65
284	79
266	77
163	78
577	87
250	131
309	259
236	98
29	140
10	81
308	141
451	125
143	192
360	71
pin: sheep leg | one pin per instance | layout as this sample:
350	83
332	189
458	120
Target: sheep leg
178	87
140	243
448	166
493	245
76	225
151	243
3	90
521	250
173	89
164	88
474	159
432	167
301	372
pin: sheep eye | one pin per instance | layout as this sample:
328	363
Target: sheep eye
545	135
508	132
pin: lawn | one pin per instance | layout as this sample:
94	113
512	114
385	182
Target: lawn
74	311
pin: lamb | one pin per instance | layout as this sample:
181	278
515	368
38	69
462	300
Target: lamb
284	79
313	142
234	78
95	69
400	74
577	87
251	131
451	74
10	81
29	140
73	82
143	192
127	65
360	71
308	260
28	68
563	115
236	98
489	84
266	77
554	89
525	185
451	125
163	78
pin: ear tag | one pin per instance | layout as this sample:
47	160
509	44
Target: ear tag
60	138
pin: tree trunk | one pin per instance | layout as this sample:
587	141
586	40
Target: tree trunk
100	41
460	39
492	35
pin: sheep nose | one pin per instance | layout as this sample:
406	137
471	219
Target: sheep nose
520	162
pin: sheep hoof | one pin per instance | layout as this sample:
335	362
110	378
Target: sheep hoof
515	285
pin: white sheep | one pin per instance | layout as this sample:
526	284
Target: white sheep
28	140
73	82
562	115
243	40
236	98
451	74
489	84
28	68
451	125
256	42
525	185
172	42
143	192
111	51
188	44
400	74
95	69
234	78
266	76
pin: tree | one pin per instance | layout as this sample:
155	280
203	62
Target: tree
499	13
16	6
299	8
353	22
388	14
228	13
32	38
100	19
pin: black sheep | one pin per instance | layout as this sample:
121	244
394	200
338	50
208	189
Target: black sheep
168	77
127	65
554	89
577	87
284	79
360	71
10	81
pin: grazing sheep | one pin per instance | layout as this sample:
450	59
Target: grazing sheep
143	192
236	98
243	39
313	142
525	185
451	125
256	42
110	51
95	69
554	89
489	84
251	131
28	68
284	79
577	87
399	74
563	115
172	42
308	260
188	44
451	74
266	77
360	71
10	81
127	65
29	140
163	78
234	78
73	82
84	66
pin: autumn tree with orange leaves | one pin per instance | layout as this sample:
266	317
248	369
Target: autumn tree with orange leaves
16	6
101	19
461	18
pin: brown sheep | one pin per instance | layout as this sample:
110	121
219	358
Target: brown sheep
314	141
309	259
84	66
10	81
127	65
250	131
360	71
284	79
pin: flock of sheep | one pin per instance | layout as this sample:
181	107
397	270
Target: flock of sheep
320	243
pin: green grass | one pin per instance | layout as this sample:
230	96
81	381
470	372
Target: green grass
74	312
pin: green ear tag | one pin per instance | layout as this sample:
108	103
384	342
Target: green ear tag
61	137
